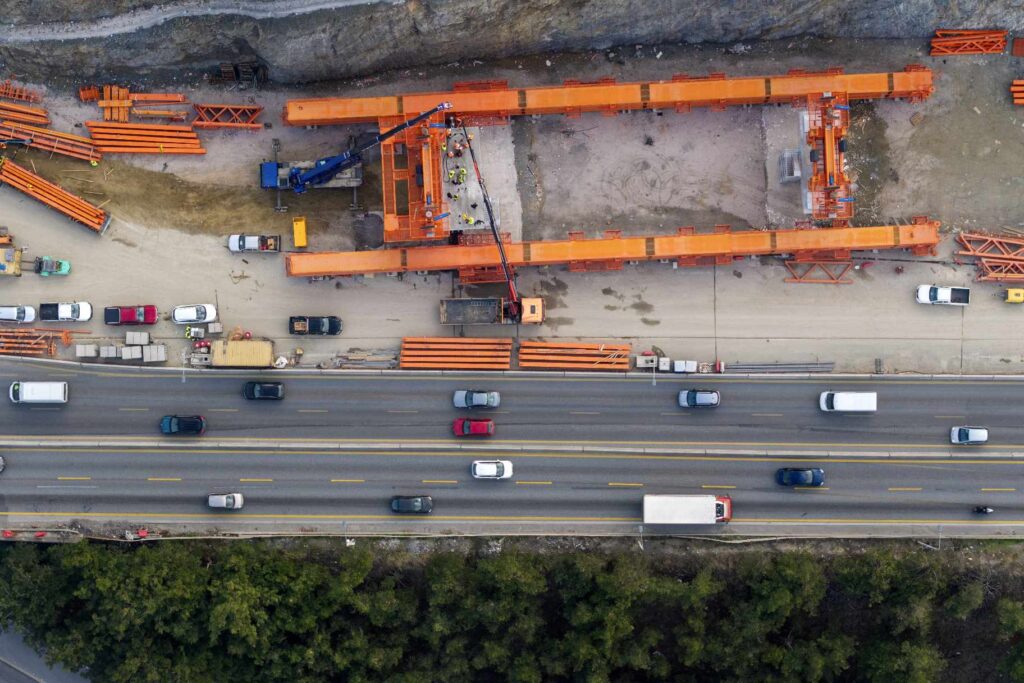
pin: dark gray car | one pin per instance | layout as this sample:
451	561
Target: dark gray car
412	504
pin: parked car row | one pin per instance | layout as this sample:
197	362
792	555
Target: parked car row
81	311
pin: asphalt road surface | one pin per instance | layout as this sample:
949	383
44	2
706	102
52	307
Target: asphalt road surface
887	473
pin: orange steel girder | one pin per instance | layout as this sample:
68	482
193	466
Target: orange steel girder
411	165
829	120
686	248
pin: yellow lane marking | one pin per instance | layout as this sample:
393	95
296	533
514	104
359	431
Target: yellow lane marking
623	483
789	457
767	414
312	410
897	489
255	480
163	478
133	410
716	486
533	483
440	481
223	410
348	481
811	488
584	412
998	490
74	478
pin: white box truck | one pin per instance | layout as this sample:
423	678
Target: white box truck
687	509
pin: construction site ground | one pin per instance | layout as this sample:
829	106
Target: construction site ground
641	173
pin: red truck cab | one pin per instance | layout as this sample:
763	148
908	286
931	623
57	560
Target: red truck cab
130	315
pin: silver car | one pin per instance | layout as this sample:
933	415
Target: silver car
226	501
17	314
473	398
968	436
194	313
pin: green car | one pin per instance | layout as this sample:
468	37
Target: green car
47	266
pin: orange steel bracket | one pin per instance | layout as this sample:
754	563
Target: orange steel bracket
818	272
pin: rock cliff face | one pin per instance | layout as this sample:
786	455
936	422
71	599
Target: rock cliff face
309	40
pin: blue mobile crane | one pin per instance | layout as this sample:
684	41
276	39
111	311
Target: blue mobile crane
299	179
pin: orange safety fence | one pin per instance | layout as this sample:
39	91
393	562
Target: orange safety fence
52	141
227	116
686	247
10	91
574	356
54	196
967	42
23	113
142	138
495	100
455	353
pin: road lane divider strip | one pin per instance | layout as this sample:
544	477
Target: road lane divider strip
348	481
255	480
902	489
998	490
133	410
74	478
223	410
312	410
810	488
440	481
163	478
623	483
398	412
584	412
766	414
716	486
533	483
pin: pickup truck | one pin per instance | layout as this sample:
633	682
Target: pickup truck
260	243
314	324
74	312
950	296
130	315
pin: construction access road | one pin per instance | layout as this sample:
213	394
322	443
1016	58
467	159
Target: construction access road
329	457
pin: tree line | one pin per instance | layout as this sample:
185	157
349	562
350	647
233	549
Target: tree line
310	612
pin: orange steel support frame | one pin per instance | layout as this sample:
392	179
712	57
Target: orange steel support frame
687	248
829	119
999	258
9	91
227	116
413	202
968	42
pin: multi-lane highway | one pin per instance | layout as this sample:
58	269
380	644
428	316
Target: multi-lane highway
585	449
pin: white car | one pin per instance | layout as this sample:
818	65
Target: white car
474	398
17	314
491	469
226	501
194	313
968	436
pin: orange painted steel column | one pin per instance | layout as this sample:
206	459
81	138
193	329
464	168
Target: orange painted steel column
682	93
687	247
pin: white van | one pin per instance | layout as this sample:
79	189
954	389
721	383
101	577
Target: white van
848	401
39	392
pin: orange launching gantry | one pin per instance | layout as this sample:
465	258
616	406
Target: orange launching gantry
686	248
413	201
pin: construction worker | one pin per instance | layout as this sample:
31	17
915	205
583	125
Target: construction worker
451	174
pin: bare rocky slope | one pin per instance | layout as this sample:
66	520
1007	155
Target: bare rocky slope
310	40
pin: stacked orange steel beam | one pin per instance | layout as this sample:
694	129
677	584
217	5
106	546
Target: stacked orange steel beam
140	138
1000	258
227	116
54	196
968	42
117	102
52	141
686	247
23	113
10	91
455	353
168	114
1017	91
540	355
34	341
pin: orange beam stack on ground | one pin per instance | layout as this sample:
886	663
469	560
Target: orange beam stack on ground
1017	91
538	355
52	141
143	138
117	102
455	353
168	114
54	196
227	116
412	205
967	42
686	247
34	341
10	91
23	113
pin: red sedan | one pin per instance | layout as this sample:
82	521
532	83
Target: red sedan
465	426
130	315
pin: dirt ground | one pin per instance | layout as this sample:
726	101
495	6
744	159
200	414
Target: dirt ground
641	173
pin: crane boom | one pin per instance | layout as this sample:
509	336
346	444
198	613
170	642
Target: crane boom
328	167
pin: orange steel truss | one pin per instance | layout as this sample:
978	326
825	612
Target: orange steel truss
455	353
227	116
968	42
686	247
540	355
414	206
54	196
10	91
999	258
818	272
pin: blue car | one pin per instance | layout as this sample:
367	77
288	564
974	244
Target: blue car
792	476
183	424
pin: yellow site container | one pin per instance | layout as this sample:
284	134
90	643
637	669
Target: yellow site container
1015	296
299	232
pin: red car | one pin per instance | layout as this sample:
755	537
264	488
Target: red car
130	315
465	426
